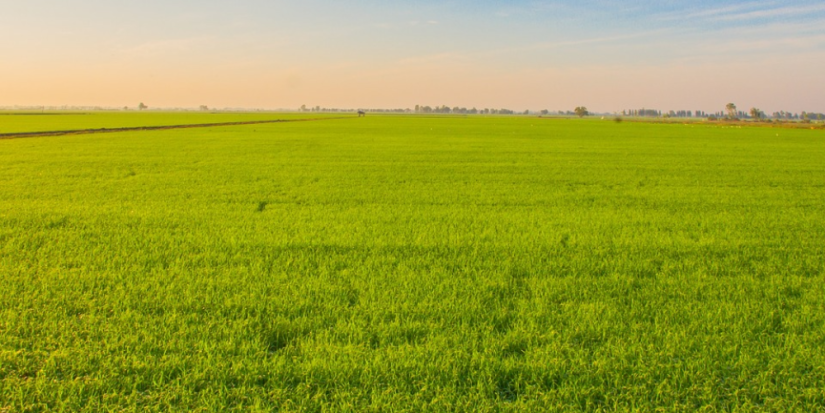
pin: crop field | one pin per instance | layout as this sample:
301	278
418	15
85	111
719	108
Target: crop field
19	122
411	263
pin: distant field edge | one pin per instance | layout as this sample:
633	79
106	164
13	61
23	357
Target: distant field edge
18	135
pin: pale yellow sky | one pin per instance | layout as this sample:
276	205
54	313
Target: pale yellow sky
283	55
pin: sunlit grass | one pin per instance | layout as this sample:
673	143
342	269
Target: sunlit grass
411	263
17	122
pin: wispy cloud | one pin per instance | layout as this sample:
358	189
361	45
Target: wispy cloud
719	11
594	40
757	10
738	43
770	45
772	13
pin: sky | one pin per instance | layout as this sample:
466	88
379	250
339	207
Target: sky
555	55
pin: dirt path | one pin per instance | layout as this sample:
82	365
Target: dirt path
17	135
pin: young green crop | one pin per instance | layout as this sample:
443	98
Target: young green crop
415	264
17	122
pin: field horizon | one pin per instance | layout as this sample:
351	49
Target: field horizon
21	122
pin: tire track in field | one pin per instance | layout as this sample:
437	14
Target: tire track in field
18	135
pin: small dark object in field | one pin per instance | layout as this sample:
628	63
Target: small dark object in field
262	206
361	113
617	119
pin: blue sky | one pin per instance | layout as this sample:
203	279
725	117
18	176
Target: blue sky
516	54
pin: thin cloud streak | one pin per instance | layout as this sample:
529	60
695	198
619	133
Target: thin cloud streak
602	39
771	13
567	43
717	11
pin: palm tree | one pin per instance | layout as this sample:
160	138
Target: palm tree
731	108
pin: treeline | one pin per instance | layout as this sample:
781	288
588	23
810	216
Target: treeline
304	108
462	111
443	110
653	113
753	114
57	108
642	112
798	116
487	111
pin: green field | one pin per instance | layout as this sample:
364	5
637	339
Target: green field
18	122
404	263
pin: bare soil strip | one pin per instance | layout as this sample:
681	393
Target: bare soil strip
17	135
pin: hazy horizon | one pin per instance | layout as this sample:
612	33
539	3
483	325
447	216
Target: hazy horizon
534	55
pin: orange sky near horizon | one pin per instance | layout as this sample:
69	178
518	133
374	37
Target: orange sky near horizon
192	59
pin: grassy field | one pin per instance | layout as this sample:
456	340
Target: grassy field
18	122
412	264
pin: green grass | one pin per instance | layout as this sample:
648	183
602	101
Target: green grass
414	264
15	122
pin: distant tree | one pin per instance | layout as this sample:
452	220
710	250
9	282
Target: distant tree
731	108
581	111
303	108
545	112
141	106
756	114
204	108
